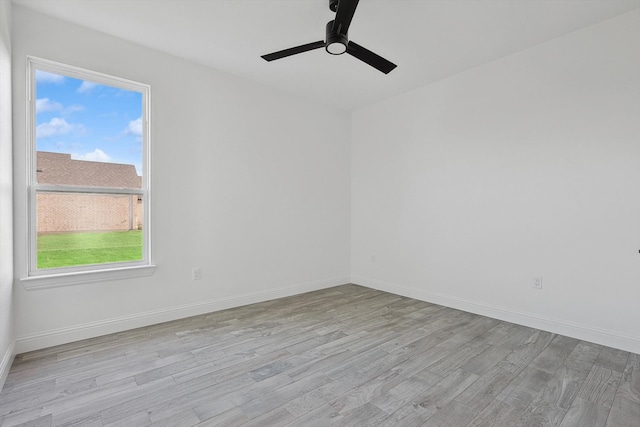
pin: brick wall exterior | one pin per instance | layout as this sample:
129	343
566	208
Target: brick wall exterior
75	212
68	212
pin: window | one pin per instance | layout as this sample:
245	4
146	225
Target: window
88	178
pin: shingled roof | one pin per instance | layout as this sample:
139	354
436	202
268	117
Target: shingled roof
61	169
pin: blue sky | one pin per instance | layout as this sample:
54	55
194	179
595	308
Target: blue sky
90	121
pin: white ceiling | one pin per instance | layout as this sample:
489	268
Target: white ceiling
427	39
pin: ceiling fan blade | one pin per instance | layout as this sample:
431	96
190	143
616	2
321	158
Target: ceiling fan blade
365	55
293	51
344	15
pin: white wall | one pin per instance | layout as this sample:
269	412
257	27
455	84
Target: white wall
466	189
462	190
251	185
6	196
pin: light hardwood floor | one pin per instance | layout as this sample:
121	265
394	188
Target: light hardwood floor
345	356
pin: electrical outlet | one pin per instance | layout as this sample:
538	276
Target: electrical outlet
195	274
537	282
373	259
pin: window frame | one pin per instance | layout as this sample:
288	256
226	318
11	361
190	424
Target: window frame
60	276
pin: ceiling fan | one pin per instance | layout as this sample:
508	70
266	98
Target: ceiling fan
337	41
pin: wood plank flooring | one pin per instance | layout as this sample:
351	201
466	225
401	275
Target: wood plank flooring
344	356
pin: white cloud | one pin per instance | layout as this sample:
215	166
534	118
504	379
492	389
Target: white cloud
135	127
56	126
45	104
86	87
44	77
96	155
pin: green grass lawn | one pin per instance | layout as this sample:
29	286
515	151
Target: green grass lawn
72	249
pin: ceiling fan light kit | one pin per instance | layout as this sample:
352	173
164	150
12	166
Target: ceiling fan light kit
337	41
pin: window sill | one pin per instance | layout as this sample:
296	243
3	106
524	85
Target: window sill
33	283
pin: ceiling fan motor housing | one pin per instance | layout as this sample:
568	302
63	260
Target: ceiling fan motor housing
336	43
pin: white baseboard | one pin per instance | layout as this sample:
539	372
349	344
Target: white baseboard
583	332
5	364
94	329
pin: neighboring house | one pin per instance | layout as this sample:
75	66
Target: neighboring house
71	212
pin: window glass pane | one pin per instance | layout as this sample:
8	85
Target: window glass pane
86	123
88	228
87	134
